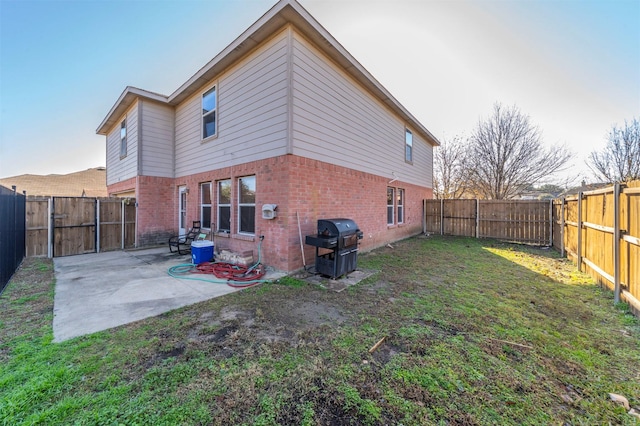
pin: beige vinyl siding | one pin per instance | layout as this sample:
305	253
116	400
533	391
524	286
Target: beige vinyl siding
121	169
251	114
337	121
157	139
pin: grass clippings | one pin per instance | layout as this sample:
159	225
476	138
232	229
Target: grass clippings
476	332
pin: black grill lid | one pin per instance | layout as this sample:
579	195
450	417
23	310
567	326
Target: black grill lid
336	227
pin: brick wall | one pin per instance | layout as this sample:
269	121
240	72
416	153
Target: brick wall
124	186
303	189
308	190
321	190
157	199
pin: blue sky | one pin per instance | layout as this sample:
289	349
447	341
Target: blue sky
572	66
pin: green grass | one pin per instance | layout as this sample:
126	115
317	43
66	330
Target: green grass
476	332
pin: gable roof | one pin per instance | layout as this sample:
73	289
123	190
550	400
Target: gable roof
284	12
87	183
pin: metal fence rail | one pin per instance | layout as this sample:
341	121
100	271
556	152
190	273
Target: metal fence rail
12	233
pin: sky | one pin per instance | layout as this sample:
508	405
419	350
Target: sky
572	66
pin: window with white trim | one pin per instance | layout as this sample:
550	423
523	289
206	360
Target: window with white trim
224	205
400	205
247	205
205	205
408	145
390	205
209	109
123	138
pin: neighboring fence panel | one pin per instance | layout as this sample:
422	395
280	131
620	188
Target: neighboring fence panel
63	226
590	239
525	221
12	233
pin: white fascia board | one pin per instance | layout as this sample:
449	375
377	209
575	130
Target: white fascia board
126	99
291	12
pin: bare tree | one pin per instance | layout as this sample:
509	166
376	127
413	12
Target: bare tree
506	154
619	161
448	175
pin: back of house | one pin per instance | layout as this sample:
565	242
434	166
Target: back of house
283	118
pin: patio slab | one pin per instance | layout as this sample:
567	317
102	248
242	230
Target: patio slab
95	292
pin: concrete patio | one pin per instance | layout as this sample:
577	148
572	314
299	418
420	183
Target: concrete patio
98	291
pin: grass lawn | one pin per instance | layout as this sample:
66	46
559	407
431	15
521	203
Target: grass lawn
476	332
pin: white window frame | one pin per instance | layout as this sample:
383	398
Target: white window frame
391	207
408	146
219	205
400	205
241	205
205	187
213	112
123	138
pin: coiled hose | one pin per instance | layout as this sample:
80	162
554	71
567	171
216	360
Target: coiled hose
226	273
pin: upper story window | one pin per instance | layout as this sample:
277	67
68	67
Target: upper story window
408	146
205	205
390	205
247	205
209	113
224	205
123	138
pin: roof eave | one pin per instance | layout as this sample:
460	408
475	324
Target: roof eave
284	12
124	102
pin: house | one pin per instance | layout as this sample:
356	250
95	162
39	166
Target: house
283	116
85	183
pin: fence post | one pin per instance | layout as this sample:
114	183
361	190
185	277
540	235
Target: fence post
477	218
562	225
97	225
50	227
442	216
579	248
616	242
123	224
551	223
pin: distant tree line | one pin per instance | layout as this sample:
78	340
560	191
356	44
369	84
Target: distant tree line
505	156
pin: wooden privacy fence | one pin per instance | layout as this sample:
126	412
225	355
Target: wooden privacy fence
523	221
600	231
63	226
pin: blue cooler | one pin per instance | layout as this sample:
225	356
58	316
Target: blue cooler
201	251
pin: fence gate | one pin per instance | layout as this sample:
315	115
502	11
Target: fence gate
74	225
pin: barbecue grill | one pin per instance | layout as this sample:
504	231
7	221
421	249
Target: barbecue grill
338	240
